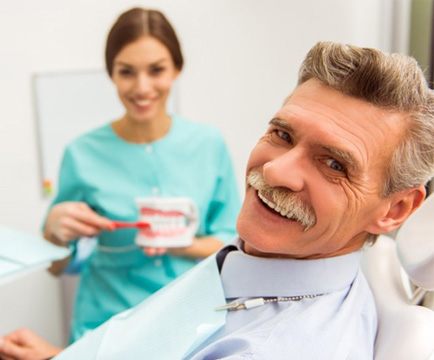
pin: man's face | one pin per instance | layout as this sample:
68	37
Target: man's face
321	164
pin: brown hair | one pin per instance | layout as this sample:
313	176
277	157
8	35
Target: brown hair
391	81
138	22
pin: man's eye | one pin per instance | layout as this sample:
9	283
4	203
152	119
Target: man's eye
335	165
284	135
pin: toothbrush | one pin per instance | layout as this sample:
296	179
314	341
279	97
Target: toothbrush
142	225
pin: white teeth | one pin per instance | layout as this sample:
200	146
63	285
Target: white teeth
142	102
273	206
266	201
161	223
283	212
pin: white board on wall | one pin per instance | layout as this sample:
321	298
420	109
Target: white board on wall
67	105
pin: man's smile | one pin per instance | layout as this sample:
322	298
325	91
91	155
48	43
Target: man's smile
280	201
277	209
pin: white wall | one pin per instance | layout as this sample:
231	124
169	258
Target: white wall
241	61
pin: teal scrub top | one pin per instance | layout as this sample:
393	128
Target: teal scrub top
108	173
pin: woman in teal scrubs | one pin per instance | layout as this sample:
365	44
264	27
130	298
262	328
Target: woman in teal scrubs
147	152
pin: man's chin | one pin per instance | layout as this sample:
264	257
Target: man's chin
251	250
257	241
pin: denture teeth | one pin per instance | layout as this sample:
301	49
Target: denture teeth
162	223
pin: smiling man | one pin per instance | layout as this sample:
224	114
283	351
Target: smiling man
316	178
345	159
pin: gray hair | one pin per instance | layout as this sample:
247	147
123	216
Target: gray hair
391	81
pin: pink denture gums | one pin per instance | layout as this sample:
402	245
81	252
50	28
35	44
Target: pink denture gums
154	212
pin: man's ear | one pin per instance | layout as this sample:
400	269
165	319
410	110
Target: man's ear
400	206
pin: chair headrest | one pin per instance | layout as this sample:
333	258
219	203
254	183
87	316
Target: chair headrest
415	245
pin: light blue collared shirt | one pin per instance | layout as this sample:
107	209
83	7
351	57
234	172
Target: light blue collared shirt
340	324
181	321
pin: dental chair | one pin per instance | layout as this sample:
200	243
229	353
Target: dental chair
399	273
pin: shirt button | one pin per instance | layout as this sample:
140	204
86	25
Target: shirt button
149	149
158	262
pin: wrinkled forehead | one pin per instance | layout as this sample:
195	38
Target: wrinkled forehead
324	115
324	101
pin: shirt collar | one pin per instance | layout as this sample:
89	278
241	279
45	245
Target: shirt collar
245	275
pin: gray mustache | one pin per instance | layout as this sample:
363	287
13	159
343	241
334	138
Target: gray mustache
285	199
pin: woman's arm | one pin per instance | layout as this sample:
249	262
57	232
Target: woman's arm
201	248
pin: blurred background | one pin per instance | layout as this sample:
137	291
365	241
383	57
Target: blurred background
241	57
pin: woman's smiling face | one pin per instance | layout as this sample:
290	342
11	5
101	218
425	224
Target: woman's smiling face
143	73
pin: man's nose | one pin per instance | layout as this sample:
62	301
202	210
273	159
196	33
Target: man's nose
287	170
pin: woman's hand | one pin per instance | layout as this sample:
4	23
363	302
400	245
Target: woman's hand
154	251
24	344
69	220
